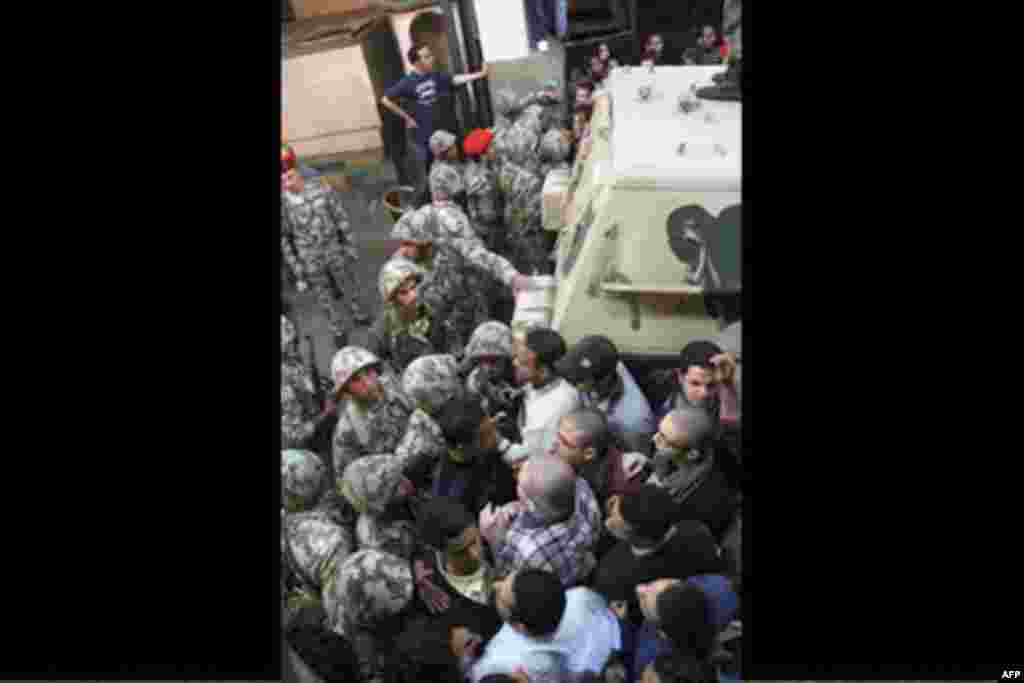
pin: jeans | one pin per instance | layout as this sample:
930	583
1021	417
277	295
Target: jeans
417	160
540	19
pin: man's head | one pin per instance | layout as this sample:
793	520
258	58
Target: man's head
642	519
478	142
603	53
547	486
442	146
583	437
292	181
675	667
356	374
531	601
655	44
598	69
534	360
446	183
681	613
422	58
696	374
446	525
591	365
398	282
415	234
708	37
467	429
584	93
684	429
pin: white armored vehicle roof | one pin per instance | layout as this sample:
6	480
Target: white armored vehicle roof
646	135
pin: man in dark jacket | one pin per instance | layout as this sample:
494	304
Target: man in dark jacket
653	543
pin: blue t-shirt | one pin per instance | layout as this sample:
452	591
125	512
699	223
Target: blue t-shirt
424	90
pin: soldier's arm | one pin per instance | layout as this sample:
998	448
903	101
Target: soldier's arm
288	247
478	255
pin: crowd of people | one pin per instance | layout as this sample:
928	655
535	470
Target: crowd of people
466	498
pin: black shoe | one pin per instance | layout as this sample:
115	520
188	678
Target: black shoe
728	86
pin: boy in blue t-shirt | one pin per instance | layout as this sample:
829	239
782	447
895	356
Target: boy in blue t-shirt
424	86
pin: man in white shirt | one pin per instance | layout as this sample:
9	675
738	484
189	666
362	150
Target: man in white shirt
547	398
548	630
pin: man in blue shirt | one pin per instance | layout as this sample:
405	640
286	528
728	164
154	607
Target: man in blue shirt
424	86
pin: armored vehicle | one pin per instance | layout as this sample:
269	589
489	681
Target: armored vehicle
649	230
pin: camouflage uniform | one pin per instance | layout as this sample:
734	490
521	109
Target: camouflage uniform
522	187
402	341
430	382
370	485
554	152
312	546
447	287
317	245
496	394
368	590
298	405
365	428
482	202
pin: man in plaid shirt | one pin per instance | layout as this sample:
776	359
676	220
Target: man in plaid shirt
554	526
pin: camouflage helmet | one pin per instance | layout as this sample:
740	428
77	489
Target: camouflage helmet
396	537
506	103
432	381
554	146
348	362
288	335
412	227
367	588
492	338
303	477
371	482
316	545
445	181
440	142
393	274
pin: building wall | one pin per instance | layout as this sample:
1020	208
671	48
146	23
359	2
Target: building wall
330	103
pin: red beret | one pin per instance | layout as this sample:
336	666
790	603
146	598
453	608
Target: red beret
477	142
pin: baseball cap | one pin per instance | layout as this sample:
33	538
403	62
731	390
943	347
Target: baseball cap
593	357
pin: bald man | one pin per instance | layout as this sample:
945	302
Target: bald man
690	467
553	526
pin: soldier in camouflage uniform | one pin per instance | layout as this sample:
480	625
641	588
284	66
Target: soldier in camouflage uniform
312	547
306	485
300	414
481	182
367	602
446	154
317	245
372	409
430	382
442	243
407	327
376	488
491	373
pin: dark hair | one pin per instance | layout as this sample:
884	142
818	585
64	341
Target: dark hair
325	652
698	353
650	512
675	667
423	653
547	344
539	601
684	615
442	520
497	678
414	53
460	420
